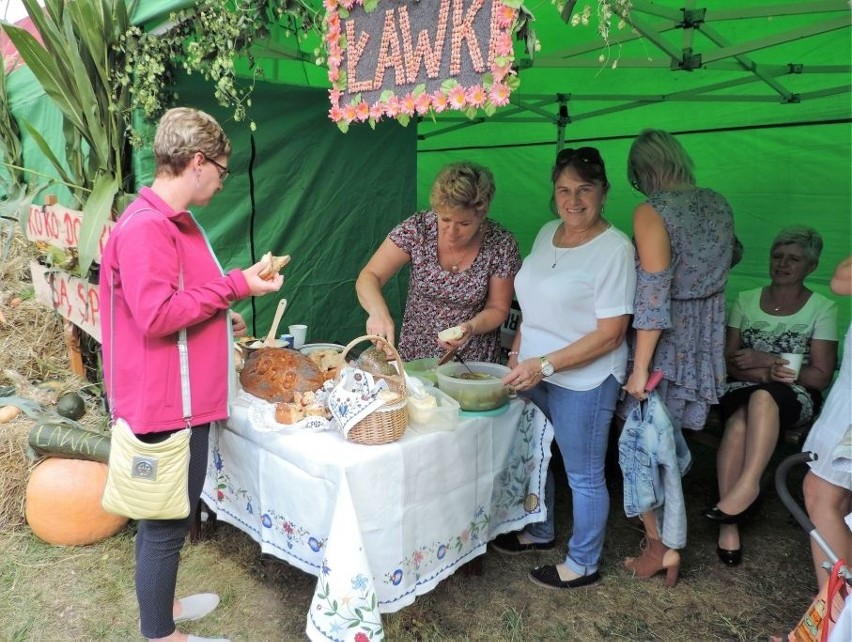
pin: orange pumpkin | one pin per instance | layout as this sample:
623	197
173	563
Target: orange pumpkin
63	502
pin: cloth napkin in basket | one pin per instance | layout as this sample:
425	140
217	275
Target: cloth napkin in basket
355	395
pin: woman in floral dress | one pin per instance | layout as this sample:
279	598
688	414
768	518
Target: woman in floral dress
462	270
765	396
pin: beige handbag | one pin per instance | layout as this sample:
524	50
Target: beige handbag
150	480
147	481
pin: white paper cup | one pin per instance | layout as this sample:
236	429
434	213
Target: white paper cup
795	361
299	332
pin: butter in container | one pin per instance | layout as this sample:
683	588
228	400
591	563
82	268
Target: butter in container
433	412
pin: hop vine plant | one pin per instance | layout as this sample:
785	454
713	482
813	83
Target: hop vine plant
207	38
607	14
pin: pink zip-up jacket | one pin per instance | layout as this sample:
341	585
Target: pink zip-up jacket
143	308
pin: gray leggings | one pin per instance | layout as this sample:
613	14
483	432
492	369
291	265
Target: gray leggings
158	544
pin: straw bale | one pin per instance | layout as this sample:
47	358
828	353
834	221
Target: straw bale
14	471
33	359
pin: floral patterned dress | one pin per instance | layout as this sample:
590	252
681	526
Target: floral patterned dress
790	333
439	299
687	302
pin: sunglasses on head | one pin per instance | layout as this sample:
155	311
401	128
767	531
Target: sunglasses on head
582	154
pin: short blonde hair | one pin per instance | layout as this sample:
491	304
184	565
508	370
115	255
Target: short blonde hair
804	236
183	132
657	161
465	185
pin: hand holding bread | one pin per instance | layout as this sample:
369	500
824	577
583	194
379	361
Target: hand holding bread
272	265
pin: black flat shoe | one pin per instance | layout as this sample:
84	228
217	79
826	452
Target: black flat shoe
548	577
730	558
509	544
721	517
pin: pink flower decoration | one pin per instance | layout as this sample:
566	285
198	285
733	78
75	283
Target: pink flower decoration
504	45
362	111
423	102
330	6
377	110
334	95
393	107
334	60
505	16
334	73
476	96
349	113
439	101
407	105
348	4
499	94
361	637
457	97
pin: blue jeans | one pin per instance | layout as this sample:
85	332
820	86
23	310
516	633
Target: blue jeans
581	421
653	456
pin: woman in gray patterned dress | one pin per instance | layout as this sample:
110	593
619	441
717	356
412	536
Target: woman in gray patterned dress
463	267
685	247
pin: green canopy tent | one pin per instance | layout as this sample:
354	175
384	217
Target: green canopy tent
758	92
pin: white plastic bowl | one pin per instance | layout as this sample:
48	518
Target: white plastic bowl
474	394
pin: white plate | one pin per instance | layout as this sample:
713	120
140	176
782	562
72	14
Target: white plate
310	347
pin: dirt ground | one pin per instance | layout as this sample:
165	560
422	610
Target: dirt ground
49	593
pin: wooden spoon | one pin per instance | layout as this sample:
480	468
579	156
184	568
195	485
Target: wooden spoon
269	341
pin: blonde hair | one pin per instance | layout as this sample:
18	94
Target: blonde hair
657	161
183	132
805	237
465	185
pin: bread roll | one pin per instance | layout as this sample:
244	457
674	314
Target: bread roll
451	334
288	413
273	265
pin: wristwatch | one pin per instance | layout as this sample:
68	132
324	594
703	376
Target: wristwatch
546	366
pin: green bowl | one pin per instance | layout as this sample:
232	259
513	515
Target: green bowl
423	368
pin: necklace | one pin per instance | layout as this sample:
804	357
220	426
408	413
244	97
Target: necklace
459	259
454	268
556	257
582	241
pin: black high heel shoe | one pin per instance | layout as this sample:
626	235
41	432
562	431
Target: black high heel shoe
730	557
721	517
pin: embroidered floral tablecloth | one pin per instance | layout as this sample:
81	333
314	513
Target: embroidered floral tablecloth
378	525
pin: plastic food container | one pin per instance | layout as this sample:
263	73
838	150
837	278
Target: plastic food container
444	416
475	394
423	368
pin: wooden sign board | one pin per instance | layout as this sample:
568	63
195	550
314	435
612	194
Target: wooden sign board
402	58
60	227
75	300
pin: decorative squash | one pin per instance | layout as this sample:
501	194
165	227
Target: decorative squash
275	374
49	437
63	502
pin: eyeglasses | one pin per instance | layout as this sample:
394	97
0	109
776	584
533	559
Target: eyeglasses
582	154
224	172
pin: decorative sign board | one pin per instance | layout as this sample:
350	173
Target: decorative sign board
60	226
401	58
74	299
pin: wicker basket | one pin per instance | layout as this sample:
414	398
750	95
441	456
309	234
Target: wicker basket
387	423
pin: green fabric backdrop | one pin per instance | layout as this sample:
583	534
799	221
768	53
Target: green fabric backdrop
774	140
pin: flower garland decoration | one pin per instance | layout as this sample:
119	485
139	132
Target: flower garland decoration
342	47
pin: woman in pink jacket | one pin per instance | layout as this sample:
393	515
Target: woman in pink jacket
158	276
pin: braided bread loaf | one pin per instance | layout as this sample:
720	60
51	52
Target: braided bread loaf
275	374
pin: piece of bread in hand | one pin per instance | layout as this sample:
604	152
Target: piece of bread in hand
272	265
451	334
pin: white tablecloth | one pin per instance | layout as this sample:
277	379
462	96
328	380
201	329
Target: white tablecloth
378	525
